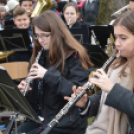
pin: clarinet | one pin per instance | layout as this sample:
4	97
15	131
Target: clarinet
73	101
27	80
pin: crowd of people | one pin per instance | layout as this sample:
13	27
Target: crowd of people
63	68
85	14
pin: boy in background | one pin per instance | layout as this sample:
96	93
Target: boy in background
22	21
27	5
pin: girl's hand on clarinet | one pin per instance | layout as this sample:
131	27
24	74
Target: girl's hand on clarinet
37	71
22	86
102	81
82	102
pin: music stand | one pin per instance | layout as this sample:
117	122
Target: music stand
81	34
14	40
12	99
102	33
96	54
9	24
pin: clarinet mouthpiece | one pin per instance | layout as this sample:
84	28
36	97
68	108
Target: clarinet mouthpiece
118	54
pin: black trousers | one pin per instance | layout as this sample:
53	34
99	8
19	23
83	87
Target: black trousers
30	127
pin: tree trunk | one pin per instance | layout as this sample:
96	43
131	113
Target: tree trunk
108	7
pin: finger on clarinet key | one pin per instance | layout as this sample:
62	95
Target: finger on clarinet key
74	89
96	75
35	65
66	98
100	71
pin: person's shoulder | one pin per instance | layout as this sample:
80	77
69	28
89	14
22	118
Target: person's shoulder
77	24
73	59
71	54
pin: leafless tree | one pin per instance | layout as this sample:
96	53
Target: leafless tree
107	7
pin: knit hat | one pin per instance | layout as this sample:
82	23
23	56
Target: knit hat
12	4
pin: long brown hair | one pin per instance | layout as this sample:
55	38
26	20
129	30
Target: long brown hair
126	20
61	40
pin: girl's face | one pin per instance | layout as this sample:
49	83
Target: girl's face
43	38
124	41
70	15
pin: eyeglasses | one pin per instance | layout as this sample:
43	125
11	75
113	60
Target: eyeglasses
42	36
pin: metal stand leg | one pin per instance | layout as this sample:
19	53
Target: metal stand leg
6	56
16	127
10	125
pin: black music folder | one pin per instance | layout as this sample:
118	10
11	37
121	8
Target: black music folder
14	40
9	24
81	34
96	54
102	33
12	99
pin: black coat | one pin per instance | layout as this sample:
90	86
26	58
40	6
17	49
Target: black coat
119	98
89	12
77	24
55	87
123	100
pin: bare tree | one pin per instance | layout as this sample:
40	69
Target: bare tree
107	7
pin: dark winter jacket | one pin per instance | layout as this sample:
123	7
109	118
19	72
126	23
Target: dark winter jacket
55	87
89	12
9	16
123	100
77	24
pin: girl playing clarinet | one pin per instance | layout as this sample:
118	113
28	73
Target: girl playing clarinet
63	63
110	105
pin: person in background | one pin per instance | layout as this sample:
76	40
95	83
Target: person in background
3	9
27	5
60	7
34	3
131	5
79	5
89	11
12	5
2	16
70	13
3	2
22	21
63	63
61	4
109	117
